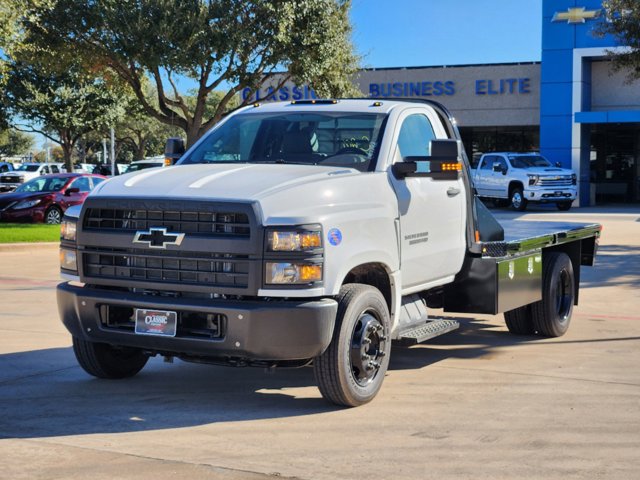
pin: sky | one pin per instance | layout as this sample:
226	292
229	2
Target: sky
397	33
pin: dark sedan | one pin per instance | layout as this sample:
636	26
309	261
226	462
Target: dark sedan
44	199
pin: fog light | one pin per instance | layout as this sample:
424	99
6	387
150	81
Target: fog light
68	260
532	194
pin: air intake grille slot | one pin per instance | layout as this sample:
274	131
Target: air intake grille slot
202	269
202	223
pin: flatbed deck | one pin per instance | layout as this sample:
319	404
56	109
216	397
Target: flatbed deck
523	236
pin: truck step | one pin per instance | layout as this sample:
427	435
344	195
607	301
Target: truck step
428	330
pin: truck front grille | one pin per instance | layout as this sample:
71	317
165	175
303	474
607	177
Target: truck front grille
203	269
562	181
198	222
10	179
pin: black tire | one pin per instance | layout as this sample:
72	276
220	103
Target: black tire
53	216
517	200
351	370
552	314
520	321
563	206
104	361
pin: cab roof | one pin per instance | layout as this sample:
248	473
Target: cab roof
360	105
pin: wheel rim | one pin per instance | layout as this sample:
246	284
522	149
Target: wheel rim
564	296
53	216
368	344
516	199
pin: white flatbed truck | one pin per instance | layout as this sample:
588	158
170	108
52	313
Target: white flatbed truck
313	232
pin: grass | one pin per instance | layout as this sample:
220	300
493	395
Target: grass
28	232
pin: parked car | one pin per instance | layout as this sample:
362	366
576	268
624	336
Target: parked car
6	167
11	180
144	164
520	178
45	199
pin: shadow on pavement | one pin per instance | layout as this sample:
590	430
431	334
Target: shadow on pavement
616	266
44	393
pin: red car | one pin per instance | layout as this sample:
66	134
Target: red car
45	198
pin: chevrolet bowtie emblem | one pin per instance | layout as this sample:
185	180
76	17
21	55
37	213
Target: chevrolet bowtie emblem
157	237
575	15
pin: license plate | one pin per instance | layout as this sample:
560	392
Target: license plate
156	322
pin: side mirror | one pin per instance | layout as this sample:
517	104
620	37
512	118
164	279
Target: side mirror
173	150
443	163
70	191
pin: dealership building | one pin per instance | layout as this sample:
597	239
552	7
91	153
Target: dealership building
571	106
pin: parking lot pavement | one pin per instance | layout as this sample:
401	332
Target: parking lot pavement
477	403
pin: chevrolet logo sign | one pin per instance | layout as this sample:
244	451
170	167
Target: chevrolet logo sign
575	15
157	237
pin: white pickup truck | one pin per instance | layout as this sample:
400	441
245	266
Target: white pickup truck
312	232
520	178
9	181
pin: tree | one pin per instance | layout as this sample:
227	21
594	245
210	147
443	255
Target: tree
66	102
219	44
623	22
13	142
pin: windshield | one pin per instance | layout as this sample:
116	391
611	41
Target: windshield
528	161
28	168
42	184
328	139
134	167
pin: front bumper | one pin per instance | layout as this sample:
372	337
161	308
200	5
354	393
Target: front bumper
551	194
255	331
23	215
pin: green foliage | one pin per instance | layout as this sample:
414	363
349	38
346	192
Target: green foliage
623	22
13	142
61	97
220	44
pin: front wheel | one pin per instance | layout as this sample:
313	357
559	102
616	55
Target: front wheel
53	216
351	370
105	361
518	202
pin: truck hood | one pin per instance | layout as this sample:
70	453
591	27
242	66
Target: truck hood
232	182
549	171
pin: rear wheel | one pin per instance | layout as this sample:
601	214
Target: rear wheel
518	202
105	361
552	315
563	206
520	321
350	372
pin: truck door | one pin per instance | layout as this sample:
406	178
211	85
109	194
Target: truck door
431	212
500	179
483	176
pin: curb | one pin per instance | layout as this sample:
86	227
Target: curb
26	246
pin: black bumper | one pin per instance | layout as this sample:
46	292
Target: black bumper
255	330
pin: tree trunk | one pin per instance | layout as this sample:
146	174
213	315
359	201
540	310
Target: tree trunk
66	150
141	148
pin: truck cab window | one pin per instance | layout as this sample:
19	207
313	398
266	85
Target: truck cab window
415	136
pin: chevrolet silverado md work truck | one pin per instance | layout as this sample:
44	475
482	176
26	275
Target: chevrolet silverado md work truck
311	232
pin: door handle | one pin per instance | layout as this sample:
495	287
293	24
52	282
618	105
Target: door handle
453	191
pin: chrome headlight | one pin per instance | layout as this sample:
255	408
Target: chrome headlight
68	260
574	179
292	273
68	229
533	179
26	204
293	240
